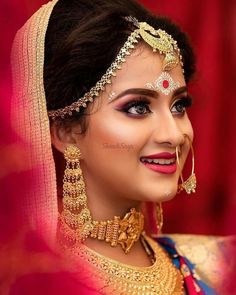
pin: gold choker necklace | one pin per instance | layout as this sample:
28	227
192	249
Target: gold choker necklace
124	232
112	277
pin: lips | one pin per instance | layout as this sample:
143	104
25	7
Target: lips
162	162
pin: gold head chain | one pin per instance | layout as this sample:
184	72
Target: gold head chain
159	40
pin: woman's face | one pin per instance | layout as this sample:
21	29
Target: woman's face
130	125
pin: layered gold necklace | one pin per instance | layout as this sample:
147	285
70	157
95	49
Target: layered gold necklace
113	277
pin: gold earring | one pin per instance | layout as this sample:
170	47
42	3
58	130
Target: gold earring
190	184
76	218
159	217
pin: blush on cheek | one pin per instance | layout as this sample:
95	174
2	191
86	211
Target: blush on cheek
112	131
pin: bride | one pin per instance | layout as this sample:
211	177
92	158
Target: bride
105	83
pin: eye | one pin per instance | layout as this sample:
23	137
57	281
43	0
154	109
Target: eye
137	107
179	106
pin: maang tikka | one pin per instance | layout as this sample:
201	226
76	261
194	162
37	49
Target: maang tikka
164	83
76	223
190	184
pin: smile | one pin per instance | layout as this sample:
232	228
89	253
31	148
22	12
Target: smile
158	161
163	163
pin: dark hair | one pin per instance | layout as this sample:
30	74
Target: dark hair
83	39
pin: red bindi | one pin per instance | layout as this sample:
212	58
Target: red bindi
165	84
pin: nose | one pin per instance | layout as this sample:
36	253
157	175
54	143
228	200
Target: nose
168	131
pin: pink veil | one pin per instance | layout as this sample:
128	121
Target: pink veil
30	122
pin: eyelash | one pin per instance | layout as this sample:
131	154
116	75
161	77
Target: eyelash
184	102
141	102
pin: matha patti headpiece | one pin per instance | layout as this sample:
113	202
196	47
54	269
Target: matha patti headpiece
157	39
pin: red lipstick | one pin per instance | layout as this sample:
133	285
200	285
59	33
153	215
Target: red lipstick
157	167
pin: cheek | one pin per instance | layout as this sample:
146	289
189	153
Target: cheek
116	130
111	143
112	148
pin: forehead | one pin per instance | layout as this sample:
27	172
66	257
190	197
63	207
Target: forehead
142	66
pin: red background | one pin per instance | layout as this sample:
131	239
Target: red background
211	26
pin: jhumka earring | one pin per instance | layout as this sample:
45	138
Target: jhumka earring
190	184
159	217
75	211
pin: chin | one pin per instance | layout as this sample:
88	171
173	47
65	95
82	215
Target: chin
161	193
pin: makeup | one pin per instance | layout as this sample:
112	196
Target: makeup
111	96
139	106
163	162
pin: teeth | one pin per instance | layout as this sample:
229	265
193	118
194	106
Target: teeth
159	161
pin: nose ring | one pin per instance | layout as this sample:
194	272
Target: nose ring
190	184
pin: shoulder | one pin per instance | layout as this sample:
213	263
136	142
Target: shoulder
211	255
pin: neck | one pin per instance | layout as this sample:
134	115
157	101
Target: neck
104	203
107	208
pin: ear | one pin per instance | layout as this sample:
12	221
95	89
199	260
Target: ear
63	135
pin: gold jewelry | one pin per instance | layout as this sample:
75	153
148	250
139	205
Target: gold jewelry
159	217
124	231
76	213
157	39
113	277
190	184
76	223
164	83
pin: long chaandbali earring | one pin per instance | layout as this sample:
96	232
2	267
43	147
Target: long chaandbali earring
75	217
159	217
190	184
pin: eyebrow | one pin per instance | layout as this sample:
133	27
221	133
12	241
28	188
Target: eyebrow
147	92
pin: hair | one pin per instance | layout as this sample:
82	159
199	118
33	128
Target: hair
83	39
